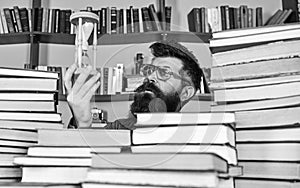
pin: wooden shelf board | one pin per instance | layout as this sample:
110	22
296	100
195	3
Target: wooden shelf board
15	38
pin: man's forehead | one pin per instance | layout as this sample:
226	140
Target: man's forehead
172	62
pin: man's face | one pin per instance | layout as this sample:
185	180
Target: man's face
158	93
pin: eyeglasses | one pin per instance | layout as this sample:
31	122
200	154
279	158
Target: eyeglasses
162	73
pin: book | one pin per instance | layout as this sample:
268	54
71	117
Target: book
255	82
270	51
27	84
272	20
18	18
6	159
54	175
15	150
154	18
135	20
261	183
294	5
286	134
226	152
31	116
282	19
28	106
24	19
21	141
68	151
53	161
147	23
259	16
84	137
277	151
27	96
7	71
154	178
254	30
194	21
256	105
189	134
257	92
256	38
113	23
9	20
18	135
35	185
151	119
10	172
168	17
161	161
271	170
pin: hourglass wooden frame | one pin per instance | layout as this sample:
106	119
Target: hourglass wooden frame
78	19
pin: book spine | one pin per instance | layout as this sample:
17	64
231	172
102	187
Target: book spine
154	19
24	19
128	20
294	5
168	17
67	21
194	20
62	21
108	20
103	21
18	19
250	17
1	25
113	20
56	22
146	20
39	18
231	18
9	20
14	20
121	21
46	20
4	23
135	19
161	14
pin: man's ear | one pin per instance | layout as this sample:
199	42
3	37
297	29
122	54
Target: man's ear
187	92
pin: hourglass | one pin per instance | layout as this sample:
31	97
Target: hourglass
85	23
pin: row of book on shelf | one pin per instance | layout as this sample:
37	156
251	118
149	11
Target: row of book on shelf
225	17
112	20
256	74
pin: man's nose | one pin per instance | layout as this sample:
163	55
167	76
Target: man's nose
152	77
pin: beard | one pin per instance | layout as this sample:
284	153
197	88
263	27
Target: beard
149	98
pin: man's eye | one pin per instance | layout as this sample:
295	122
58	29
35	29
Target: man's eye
163	71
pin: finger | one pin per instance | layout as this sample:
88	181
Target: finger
81	79
89	84
68	77
92	91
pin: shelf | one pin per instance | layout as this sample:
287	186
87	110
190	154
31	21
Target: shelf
15	38
129	97
114	39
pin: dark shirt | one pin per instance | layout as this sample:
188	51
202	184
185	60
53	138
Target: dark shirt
126	123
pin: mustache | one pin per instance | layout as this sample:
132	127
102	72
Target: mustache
149	86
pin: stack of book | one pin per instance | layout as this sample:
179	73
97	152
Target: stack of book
256	74
27	102
172	150
64	155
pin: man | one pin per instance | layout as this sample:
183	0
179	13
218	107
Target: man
172	79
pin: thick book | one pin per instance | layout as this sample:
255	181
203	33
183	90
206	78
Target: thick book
161	161
254	31
10	172
256	105
276	151
156	119
272	170
258	92
18	135
263	183
69	151
257	69
259	16
227	152
194	21
284	134
276	50
268	117
28	106
28	84
53	161
18	72
31	116
256	82
256	38
54	175
189	134
24	96
154	178
84	137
